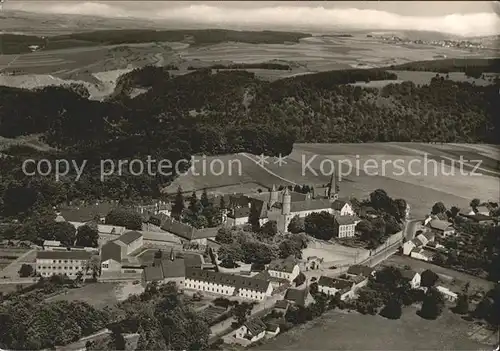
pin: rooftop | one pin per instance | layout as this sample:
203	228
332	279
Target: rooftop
165	269
51	243
345	220
408	273
311	205
283	265
361	270
64	255
439	224
297	296
255	326
338	204
186	231
339	284
129	237
282	304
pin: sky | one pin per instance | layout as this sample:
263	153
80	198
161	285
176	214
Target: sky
465	18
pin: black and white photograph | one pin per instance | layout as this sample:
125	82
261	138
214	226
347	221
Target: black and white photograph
249	175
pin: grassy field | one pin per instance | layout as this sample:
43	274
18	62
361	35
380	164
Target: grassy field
419	184
308	55
352	331
100	294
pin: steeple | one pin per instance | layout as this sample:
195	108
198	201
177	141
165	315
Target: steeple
287	200
333	188
273	196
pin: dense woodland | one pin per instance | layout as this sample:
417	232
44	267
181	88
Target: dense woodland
18	44
163	319
204	112
470	66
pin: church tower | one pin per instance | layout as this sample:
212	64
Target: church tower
273	196
333	188
287	201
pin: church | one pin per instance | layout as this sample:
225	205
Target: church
283	205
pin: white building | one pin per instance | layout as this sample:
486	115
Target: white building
422	254
252	330
412	277
447	293
343	208
332	286
227	284
441	228
284	268
49	263
346	226
49	245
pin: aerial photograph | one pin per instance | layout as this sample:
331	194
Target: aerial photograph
249	175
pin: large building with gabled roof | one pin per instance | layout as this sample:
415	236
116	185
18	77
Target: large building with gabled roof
227	284
116	253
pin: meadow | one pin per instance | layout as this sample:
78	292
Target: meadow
340	330
431	178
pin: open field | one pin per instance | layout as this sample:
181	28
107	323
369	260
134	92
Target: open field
309	55
333	254
9	255
12	267
431	176
448	277
337	330
100	294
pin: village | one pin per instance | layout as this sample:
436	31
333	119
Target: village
166	250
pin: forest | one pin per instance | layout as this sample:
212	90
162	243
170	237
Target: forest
210	113
18	44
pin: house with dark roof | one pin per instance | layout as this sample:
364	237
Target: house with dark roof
187	233
68	262
167	270
361	271
253	329
275	281
441	227
297	296
346	285
227	284
287	268
412	277
422	254
282	306
343	207
332	286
